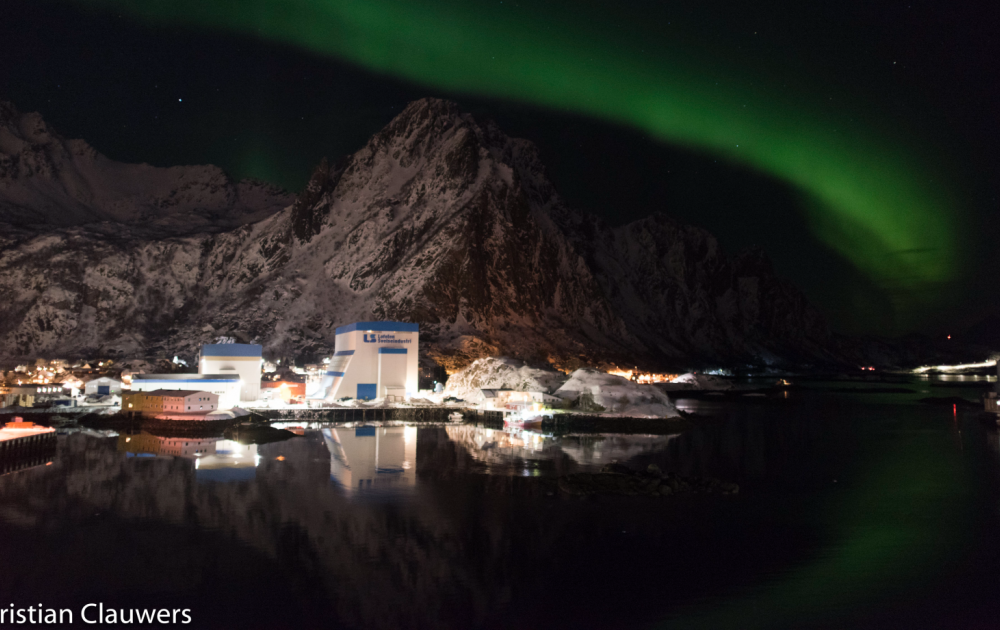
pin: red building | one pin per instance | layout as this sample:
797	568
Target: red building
287	391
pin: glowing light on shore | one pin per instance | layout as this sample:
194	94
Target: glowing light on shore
644	378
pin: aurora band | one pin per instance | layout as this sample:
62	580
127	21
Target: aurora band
868	196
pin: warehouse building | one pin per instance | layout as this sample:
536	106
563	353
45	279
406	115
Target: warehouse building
241	359
225	386
102	387
373	360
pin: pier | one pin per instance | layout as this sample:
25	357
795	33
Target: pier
24	444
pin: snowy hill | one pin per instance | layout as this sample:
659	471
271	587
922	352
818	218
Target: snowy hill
47	180
441	220
617	395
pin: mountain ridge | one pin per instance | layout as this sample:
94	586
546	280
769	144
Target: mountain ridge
439	219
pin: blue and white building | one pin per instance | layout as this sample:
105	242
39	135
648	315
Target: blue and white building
242	359
373	360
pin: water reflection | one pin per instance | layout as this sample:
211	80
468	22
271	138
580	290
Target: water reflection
372	458
213	458
287	548
509	447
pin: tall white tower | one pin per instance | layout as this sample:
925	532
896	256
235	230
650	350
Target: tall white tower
373	360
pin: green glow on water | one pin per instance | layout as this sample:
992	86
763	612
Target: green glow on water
891	528
867	196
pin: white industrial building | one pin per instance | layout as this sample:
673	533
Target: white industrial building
373	360
242	359
102	387
225	386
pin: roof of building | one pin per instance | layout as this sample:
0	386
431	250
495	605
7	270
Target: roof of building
186	377
221	350
28	386
174	393
379	327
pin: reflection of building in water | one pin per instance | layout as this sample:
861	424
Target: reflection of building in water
597	450
502	446
187	448
215	459
229	461
372	458
497	446
139	445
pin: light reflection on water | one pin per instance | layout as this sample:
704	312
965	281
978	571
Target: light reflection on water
851	513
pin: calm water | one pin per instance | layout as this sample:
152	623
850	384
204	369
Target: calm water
857	510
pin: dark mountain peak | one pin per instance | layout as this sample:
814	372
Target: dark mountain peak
8	112
27	127
49	181
418	128
429	108
754	261
432	127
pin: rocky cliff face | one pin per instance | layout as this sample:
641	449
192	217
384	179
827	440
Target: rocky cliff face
676	289
441	220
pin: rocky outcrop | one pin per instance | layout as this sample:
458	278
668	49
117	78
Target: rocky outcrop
441	220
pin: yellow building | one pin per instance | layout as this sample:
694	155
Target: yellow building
164	400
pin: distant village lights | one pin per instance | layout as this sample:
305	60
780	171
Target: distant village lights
643	378
955	368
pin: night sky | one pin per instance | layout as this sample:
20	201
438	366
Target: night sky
855	142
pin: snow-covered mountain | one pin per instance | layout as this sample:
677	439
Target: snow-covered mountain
47	180
440	219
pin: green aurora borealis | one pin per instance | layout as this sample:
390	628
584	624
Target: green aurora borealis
868	194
